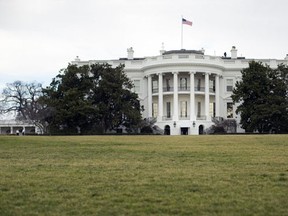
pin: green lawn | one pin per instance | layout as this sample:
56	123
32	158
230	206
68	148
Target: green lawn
144	175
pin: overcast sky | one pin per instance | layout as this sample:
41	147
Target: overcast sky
39	37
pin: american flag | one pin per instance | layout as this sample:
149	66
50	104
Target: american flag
187	22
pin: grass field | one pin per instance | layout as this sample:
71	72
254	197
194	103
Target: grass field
144	175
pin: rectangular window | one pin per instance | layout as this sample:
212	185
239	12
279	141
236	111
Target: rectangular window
154	86
229	110
168	109
154	110
168	85
199	85
183	109
199	109
212	85
136	86
229	85
183	84
212	109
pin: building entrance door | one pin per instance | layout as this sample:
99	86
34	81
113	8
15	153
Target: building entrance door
167	130
184	130
201	129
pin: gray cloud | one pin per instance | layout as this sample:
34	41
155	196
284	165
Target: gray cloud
39	37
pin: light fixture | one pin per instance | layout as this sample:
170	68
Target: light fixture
174	123
194	124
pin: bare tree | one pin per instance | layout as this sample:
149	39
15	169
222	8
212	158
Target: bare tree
22	99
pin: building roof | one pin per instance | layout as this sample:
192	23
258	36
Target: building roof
183	51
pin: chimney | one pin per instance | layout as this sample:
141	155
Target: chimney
77	59
130	53
233	53
162	49
203	50
162	52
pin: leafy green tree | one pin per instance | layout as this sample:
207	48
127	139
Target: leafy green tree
67	97
112	97
278	99
92	98
262	94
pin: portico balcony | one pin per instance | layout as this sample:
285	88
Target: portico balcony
183	89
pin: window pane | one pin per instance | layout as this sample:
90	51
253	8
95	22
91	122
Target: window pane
168	109
212	109
229	85
199	109
155	86
199	84
154	110
183	83
229	110
168	85
229	88
136	86
183	109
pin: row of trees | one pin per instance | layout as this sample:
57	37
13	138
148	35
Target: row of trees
85	99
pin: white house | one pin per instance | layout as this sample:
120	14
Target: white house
185	89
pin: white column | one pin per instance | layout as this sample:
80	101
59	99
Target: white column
207	96
149	96
192	97
217	96
175	96
160	96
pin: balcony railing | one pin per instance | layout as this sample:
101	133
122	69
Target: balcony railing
199	89
200	117
168	89
155	90
212	90
184	117
184	88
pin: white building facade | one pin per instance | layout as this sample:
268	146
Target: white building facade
185	89
20	127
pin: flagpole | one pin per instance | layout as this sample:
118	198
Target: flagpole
181	32
186	22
